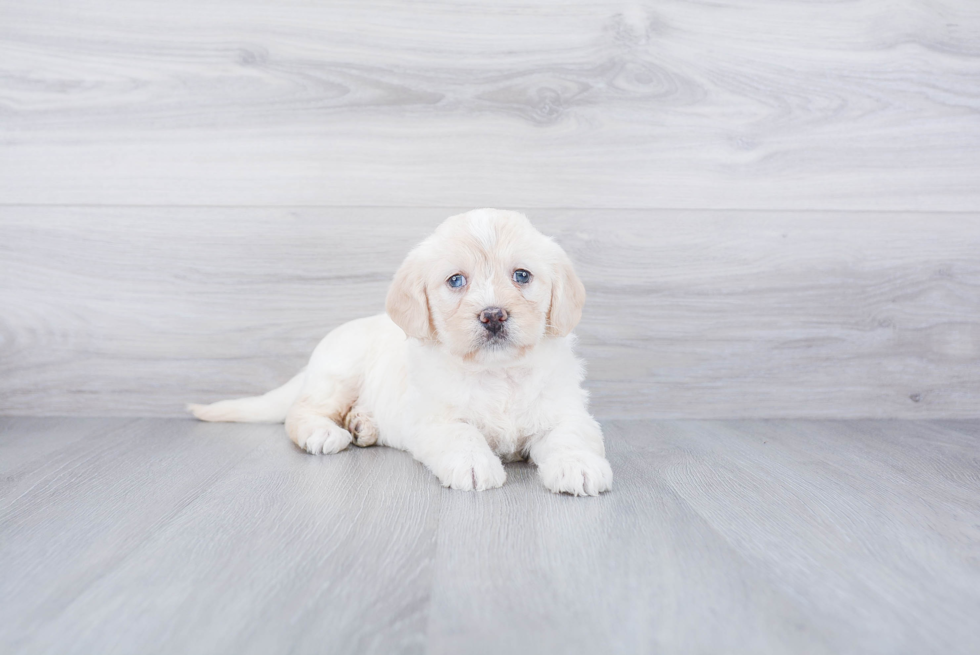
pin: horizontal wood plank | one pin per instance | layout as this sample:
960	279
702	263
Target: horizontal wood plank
767	104
135	311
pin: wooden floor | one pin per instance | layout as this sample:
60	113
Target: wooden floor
164	535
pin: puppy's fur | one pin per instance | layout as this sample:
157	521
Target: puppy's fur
457	386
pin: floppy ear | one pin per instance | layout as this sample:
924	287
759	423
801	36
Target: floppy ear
567	298
407	303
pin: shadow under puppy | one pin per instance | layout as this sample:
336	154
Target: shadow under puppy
472	363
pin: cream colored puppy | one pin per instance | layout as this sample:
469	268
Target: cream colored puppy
472	363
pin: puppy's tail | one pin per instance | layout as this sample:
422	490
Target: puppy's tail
268	408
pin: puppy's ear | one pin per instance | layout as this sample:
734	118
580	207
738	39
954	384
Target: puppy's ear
407	303
567	298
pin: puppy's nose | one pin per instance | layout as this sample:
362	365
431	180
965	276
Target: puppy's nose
493	318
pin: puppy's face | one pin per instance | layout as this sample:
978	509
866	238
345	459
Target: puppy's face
488	286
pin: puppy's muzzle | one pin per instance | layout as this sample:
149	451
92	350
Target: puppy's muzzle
493	319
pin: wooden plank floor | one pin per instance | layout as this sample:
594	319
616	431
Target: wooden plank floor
780	536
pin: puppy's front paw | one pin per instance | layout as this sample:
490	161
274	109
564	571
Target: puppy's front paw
470	470
580	473
318	435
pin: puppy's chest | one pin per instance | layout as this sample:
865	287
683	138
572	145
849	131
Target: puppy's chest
507	410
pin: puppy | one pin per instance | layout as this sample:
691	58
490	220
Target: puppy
472	364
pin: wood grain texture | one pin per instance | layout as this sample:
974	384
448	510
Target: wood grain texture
41	439
740	537
767	104
170	536
758	537
839	510
69	517
135	311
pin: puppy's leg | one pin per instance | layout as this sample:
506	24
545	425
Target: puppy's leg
458	455
571	458
312	424
330	388
313	421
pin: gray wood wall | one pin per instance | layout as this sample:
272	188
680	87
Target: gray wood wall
775	204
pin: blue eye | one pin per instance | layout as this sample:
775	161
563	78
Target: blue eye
456	281
521	276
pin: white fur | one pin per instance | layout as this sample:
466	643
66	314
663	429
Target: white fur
458	403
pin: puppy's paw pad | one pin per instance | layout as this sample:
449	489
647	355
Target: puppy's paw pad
362	428
472	471
578	474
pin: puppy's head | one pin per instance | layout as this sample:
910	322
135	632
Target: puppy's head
488	286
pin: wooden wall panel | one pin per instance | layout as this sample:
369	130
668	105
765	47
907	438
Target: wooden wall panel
135	311
768	104
191	193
